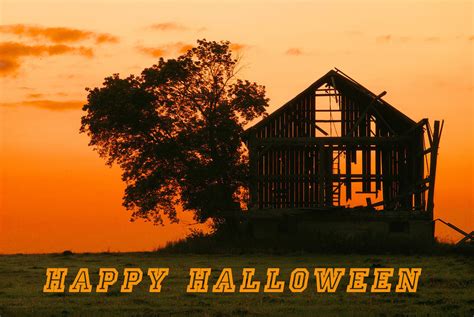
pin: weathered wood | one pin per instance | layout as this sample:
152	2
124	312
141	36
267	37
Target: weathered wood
434	157
355	141
296	152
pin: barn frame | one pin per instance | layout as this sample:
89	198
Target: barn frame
338	153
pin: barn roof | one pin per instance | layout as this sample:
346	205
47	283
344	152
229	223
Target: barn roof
349	87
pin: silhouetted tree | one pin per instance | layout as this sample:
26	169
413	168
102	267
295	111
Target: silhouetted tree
175	131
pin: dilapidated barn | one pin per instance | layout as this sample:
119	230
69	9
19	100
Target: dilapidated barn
337	157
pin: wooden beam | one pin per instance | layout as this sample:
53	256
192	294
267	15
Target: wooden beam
434	156
355	141
320	129
328	110
363	114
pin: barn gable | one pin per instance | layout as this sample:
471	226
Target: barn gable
335	84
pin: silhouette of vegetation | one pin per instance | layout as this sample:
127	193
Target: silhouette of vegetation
219	242
175	131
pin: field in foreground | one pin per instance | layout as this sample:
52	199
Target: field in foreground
446	287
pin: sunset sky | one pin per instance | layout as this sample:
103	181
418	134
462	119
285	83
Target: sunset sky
56	193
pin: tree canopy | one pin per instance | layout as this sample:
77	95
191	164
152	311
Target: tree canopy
176	133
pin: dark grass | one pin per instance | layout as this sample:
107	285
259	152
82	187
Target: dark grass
446	286
221	243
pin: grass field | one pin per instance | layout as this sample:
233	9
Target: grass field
446	287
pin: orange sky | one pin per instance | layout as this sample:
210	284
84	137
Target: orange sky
57	194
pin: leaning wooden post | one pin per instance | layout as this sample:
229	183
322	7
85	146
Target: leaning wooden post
434	155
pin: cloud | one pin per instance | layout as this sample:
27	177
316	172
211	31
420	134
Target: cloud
238	47
12	54
152	51
106	38
57	35
8	67
15	49
173	27
168	26
167	49
383	39
181	48
35	96
388	38
294	51
47	104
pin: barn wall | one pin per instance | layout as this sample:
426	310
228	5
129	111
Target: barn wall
358	230
299	175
